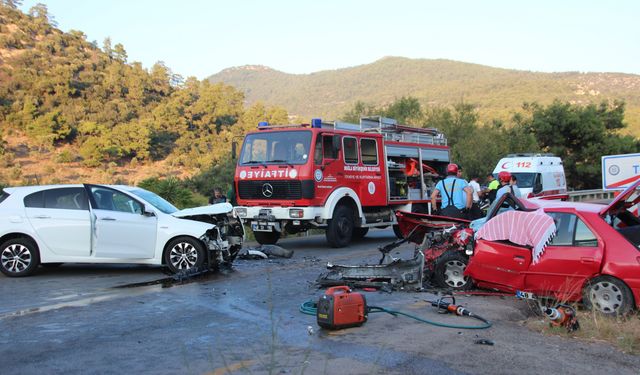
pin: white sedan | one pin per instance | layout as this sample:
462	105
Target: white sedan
87	223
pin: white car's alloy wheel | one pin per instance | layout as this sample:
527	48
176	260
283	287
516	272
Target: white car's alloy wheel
16	258
183	256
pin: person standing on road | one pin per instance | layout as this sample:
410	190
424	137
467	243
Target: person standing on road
475	211
456	195
476	189
505	184
515	190
217	196
492	188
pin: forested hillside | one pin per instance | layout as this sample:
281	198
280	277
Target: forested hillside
72	111
495	93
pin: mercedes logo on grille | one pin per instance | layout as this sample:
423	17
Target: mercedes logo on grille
267	190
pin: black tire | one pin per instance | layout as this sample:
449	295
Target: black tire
608	295
359	233
449	271
397	232
267	238
340	227
19	257
184	253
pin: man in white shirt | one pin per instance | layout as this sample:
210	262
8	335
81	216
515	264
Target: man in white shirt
476	189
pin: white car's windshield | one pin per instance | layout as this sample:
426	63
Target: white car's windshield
155	200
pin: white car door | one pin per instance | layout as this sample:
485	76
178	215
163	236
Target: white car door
60	217
120	230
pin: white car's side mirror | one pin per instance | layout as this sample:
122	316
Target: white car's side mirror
148	211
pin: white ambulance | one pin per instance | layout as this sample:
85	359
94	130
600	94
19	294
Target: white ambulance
538	174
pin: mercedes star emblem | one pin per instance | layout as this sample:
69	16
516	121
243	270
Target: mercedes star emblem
267	190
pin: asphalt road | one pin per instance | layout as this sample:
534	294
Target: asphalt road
79	319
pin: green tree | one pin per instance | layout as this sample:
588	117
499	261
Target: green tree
360	109
171	189
580	135
406	110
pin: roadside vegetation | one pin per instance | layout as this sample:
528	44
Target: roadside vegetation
580	135
622	332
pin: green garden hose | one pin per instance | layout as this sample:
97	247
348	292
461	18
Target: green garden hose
310	308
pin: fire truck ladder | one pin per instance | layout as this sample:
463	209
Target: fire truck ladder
391	130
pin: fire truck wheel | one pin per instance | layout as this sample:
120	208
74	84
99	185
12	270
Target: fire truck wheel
397	232
359	233
267	238
449	271
340	228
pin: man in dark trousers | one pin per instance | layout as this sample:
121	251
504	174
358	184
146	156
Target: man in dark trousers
457	196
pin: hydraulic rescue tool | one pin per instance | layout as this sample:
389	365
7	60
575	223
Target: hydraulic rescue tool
562	316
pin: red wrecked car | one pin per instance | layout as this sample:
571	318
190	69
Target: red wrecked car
566	250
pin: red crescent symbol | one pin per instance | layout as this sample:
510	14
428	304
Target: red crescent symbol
504	165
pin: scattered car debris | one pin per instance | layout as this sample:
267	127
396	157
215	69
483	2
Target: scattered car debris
265	252
390	274
248	253
483	342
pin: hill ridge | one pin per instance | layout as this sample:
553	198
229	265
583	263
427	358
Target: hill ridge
496	92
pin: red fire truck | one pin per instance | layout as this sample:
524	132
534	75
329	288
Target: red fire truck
341	177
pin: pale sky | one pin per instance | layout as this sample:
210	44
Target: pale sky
200	37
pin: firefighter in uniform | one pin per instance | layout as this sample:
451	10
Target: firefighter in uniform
456	195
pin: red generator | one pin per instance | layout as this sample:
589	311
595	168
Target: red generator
340	308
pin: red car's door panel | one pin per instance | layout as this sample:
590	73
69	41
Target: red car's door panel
499	264
574	256
563	270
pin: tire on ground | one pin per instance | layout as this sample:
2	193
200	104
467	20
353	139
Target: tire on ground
449	271
267	238
608	295
184	253
340	227
19	257
359	233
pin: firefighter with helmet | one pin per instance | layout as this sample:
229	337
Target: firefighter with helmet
456	195
507	183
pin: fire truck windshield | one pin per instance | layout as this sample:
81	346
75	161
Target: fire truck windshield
281	147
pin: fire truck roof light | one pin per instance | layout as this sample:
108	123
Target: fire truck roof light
263	124
316	123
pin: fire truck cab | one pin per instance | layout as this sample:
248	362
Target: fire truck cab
341	177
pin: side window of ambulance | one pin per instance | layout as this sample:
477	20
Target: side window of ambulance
369	151
350	146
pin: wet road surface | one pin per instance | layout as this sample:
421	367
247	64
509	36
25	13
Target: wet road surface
79	319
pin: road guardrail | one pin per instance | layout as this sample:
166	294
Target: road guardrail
590	195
